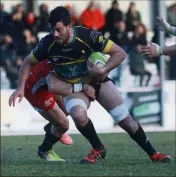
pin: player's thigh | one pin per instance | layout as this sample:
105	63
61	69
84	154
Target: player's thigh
56	116
109	96
60	103
41	100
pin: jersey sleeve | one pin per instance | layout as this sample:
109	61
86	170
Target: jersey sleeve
40	52
98	42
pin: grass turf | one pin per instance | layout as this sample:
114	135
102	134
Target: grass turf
125	158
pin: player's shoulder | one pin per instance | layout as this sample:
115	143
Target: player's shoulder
81	29
47	39
83	32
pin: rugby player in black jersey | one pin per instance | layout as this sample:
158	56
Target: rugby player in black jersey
68	48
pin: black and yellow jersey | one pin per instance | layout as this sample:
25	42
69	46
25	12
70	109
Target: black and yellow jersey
70	61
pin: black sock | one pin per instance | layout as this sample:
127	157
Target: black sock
141	139
88	131
48	141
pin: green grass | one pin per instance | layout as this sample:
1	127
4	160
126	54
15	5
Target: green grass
125	158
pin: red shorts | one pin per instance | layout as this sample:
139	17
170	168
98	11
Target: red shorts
41	100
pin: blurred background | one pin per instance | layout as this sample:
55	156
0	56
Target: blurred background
128	23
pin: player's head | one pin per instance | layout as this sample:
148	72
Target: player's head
60	24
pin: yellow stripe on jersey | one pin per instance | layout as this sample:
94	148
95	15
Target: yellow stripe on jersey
32	57
80	40
51	45
108	46
77	61
59	56
73	81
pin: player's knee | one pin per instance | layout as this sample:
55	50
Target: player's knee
77	109
129	125
56	131
79	115
119	113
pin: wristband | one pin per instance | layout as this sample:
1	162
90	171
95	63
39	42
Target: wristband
172	30
159	50
77	87
169	29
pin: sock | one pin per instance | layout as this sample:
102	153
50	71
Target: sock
141	139
48	141
88	131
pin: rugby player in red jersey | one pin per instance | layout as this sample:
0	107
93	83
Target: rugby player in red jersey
50	107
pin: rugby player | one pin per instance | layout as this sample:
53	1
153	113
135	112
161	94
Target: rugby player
153	49
50	107
36	92
68	49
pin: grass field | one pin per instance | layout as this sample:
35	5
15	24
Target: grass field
125	158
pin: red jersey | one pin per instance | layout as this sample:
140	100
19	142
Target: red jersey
37	77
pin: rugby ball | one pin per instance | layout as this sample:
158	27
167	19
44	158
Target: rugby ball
97	58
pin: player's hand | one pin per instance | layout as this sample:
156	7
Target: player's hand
151	50
162	25
93	70
17	93
90	92
102	77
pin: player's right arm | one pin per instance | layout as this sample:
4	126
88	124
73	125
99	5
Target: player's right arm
165	26
154	50
39	53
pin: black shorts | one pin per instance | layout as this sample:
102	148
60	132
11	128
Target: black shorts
97	86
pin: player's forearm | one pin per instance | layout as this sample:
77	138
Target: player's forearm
59	87
114	61
24	72
172	30
169	50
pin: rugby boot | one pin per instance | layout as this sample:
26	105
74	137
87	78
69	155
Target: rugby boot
160	157
65	139
49	156
93	156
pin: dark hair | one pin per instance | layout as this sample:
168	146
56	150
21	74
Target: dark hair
59	14
115	2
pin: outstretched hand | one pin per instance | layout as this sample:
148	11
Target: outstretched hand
17	93
162	25
151	50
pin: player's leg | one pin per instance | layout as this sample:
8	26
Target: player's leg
59	125
59	101
109	97
44	102
76	105
57	86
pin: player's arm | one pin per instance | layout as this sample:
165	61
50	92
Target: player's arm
169	50
28	63
38	54
154	50
99	43
25	69
57	86
165	26
117	55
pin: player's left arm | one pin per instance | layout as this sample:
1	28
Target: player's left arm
99	43
117	55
